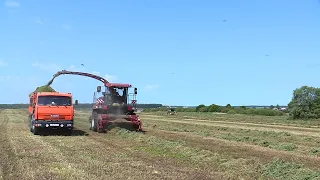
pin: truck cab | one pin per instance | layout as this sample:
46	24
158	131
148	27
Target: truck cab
51	110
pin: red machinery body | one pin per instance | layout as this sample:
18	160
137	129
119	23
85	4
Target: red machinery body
116	102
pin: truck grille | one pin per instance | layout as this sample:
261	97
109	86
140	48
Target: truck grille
50	117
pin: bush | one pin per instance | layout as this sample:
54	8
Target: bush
261	112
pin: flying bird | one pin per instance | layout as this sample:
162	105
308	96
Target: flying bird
82	64
224	21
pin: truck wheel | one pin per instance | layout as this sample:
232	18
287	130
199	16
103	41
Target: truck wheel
35	130
30	122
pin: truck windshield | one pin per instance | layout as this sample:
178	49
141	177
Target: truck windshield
54	101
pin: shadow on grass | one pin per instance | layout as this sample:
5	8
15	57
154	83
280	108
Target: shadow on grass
52	132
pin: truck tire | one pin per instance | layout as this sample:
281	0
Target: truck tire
30	122
35	130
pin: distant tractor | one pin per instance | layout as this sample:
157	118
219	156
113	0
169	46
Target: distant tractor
171	111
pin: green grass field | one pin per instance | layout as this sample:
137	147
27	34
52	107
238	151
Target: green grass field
184	146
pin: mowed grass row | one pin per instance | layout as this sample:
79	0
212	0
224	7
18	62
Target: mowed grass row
262	120
304	141
163	152
84	155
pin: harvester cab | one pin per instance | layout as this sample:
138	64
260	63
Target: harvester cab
116	99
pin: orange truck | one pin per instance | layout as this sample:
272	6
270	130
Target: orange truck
51	110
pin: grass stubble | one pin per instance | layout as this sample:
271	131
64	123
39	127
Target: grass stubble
170	149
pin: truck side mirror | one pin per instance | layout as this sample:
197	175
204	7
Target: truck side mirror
98	88
76	102
135	91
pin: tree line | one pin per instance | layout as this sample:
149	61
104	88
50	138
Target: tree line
305	104
224	109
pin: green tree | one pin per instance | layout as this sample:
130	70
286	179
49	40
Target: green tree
271	107
243	107
278	107
201	106
228	106
305	103
214	108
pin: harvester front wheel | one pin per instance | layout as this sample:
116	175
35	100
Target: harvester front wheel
90	119
93	125
94	121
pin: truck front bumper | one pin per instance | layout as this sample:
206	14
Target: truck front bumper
53	124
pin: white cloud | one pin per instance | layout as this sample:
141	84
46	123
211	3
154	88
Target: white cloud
5	78
95	72
110	78
66	26
39	21
50	67
12	4
73	67
3	63
151	87
54	67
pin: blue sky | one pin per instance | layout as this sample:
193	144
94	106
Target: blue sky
143	42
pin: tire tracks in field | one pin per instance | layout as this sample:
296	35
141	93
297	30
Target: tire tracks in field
146	163
161	164
36	154
250	126
8	160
